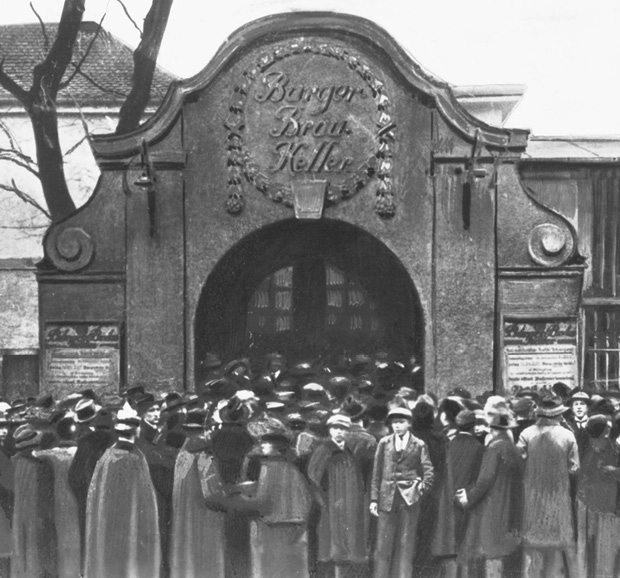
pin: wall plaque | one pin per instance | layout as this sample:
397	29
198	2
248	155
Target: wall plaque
306	111
81	356
538	353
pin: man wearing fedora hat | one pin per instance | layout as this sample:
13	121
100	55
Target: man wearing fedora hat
463	458
402	472
493	499
34	537
577	418
551	458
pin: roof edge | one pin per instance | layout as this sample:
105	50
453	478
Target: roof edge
330	23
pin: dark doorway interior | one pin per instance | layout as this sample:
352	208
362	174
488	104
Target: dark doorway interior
308	290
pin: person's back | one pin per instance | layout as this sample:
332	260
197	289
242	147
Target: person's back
551	457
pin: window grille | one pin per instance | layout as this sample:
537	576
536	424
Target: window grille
602	346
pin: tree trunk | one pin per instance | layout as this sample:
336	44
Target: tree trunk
49	159
145	59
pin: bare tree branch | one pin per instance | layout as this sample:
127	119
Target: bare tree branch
46	39
13	144
59	56
129	17
20	159
145	60
84	126
78	66
11	86
13	188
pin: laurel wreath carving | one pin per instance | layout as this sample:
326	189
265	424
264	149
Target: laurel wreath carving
242	167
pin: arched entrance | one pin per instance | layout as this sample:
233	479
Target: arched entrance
308	290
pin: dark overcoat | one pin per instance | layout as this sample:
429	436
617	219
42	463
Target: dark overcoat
494	503
34	532
338	482
279	536
463	458
65	513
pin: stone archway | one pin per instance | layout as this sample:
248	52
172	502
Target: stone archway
312	254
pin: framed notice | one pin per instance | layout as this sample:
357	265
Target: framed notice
538	353
82	356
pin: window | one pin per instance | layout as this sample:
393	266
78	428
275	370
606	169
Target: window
601	299
346	313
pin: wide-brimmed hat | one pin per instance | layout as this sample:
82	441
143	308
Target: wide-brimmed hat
551	405
85	410
234	411
127	419
27	437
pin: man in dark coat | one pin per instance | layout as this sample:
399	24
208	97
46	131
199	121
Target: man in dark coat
493	499
34	532
90	447
463	459
337	481
402	473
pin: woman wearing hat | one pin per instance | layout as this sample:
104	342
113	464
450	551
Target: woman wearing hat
551	458
402	473
493	501
338	483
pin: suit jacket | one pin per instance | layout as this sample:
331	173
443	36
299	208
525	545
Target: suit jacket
410	472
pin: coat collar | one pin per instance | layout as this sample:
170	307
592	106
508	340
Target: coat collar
411	444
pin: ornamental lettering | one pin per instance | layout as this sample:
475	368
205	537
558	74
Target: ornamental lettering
310	111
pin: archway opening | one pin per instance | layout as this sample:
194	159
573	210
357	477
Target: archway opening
308	290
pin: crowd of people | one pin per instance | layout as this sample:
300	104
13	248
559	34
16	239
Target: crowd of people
296	470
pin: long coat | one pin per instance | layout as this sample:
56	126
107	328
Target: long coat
494	503
463	458
34	533
122	532
279	537
197	545
551	455
338	481
66	519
